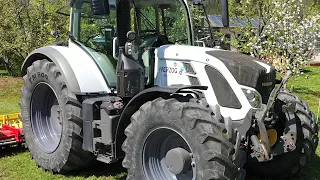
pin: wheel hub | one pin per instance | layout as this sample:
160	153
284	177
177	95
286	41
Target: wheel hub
167	155
178	160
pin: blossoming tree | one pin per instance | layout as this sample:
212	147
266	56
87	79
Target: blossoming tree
286	35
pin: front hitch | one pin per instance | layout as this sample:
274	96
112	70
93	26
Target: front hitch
287	142
261	149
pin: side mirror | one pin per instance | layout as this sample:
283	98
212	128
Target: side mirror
115	49
100	7
225	13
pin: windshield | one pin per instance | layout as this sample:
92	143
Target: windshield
168	19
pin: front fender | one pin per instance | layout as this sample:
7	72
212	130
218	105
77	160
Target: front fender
79	70
137	101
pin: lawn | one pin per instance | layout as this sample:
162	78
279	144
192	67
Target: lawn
307	85
15	163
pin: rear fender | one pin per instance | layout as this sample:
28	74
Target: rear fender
82	76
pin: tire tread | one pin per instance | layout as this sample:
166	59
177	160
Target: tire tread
73	158
199	116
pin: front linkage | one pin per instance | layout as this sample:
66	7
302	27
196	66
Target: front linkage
261	149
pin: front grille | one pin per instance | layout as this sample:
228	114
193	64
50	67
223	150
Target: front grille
266	83
222	89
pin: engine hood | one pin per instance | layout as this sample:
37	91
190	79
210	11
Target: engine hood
246	69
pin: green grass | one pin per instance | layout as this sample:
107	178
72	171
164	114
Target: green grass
307	85
15	163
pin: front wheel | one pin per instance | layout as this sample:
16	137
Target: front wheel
174	140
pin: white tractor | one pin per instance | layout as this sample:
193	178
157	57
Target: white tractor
130	85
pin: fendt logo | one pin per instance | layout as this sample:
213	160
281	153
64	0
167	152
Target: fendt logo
172	70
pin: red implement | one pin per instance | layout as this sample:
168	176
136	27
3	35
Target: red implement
10	130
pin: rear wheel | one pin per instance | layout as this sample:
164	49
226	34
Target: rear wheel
290	164
171	139
51	120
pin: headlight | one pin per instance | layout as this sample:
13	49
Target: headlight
253	97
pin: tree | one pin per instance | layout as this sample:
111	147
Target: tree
286	34
25	26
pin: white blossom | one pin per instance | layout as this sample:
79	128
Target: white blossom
288	40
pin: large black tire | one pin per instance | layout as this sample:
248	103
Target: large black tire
203	130
289	165
64	152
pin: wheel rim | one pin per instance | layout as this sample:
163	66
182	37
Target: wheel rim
45	117
165	148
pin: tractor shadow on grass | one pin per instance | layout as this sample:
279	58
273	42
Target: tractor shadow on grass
311	172
116	171
11	151
99	169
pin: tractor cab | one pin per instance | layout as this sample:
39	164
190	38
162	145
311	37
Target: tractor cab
154	22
